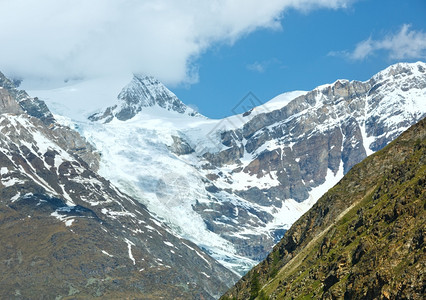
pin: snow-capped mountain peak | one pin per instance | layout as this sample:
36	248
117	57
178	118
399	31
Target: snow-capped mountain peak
401	70
141	92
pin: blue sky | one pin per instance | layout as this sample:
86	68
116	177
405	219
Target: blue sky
311	49
211	53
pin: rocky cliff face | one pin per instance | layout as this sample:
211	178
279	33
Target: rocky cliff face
364	239
333	124
142	91
68	232
32	106
19	102
233	186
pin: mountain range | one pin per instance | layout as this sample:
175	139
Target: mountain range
146	196
233	186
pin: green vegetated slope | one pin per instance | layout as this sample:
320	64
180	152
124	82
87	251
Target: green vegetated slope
364	239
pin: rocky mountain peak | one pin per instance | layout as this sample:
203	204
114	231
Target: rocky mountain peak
142	91
6	83
18	102
32	106
401	69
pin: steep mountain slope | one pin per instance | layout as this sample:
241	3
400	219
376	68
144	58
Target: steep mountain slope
364	239
68	232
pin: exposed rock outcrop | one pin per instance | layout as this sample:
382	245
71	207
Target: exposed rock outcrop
18	102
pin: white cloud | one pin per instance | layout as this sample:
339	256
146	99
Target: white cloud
79	38
262	66
405	44
257	67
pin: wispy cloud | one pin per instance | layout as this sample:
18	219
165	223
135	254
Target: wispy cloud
256	67
65	39
404	44
262	66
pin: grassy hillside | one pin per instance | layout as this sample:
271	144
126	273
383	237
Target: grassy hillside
363	239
